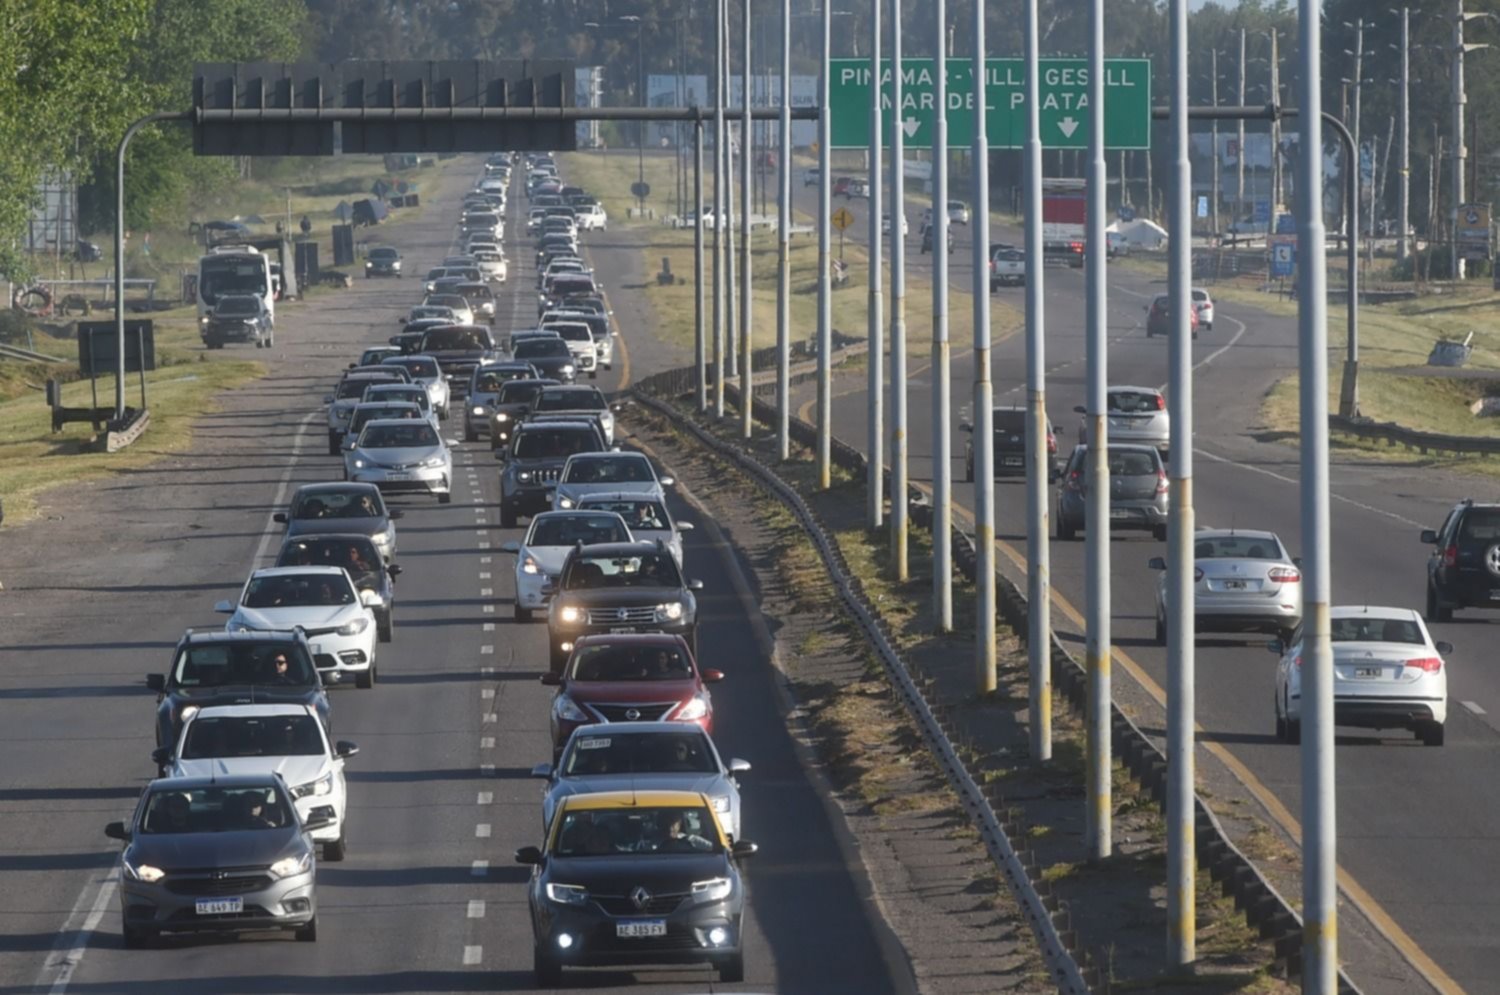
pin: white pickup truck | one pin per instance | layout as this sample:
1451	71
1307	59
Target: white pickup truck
1007	267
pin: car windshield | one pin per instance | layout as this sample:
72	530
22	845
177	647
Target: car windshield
210	737
590	573
454	338
630	663
215	810
358	556
431	311
212	665
638	515
1376	629
1200	295
313	590
355	386
1481	524
475	291
569	285
383	254
402	394
609	470
1131	463
1237	547
567	530
1009	422
638	829
574	333
376	412
570	400
518	393
639	753
424	369
559	443
416	435
238	305
541	348
339	504
1135	401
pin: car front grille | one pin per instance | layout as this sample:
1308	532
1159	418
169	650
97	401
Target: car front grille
652	712
622	616
231	884
624	905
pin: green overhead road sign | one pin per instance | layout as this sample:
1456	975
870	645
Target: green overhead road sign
1064	112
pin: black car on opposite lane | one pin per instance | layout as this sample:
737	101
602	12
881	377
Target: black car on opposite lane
1463	570
621	588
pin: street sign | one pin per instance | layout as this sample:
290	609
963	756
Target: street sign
1202	207
640	189
1283	258
1064	110
842	218
1474	231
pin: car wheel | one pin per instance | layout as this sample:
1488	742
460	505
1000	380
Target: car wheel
1436	611
557	660
384	626
1293	731
1209	327
136	938
1161	631
365	679
1280	728
547	970
445	498
334	850
522	614
470	435
308	933
1431	733
270	341
333	444
1159	533
968	471
507	517
1064	529
732	970
260	343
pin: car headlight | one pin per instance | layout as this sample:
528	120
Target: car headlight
567	894
523	475
142	872
694	710
433	461
479	409
187	712
570	615
669	612
355	627
606	418
565	502
568	711
528	566
568	368
368	264
322	786
502	416
721	804
203	320
712	890
359	464
287	866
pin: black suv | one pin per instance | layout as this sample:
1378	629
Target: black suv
620	587
215	667
1010	445
535	460
1464	568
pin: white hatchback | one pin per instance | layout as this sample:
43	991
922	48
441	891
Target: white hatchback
1388	674
549	539
338	620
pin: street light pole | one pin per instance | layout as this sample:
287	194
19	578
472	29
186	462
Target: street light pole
1214	159
825	301
1402	247
899	567
718	209
784	246
875	389
942	466
984	415
747	192
1239	156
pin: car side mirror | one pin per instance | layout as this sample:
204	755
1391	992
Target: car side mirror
964	426
161	756
1429	536
279	517
695	585
1274	646
318	818
1297	562
542	772
1080	409
344	749
1156	563
741	849
548	587
352	365
327	398
394	570
224	607
395	513
668	481
499	455
451	442
552	680
685	526
738	766
529	855
1443	646
510	547
156	682
713	676
117	831
369	598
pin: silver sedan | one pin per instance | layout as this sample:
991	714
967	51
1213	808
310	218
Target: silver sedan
1244	581
402	455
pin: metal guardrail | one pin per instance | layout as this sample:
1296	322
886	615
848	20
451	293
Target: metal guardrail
1264	907
28	356
1393	434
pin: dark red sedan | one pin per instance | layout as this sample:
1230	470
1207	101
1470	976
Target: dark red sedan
646	677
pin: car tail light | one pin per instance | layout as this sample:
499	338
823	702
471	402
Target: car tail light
1161	403
1197	574
1051	443
1450	556
1298	662
1161	483
1075	481
1428	664
1283	575
1076	247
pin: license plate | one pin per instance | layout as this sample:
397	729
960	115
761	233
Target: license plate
1234	585
1119	514
220	906
1011	461
622	628
642	927
1367	671
395	475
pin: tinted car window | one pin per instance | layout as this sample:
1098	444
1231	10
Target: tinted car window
587	529
356	387
608	470
338	504
252	736
541	348
403	394
358	556
455	338
662	752
362	417
425	369
1238	548
212	665
1374	629
570	400
608	832
557	443
587	573
1134	401
637	514
398	436
298	591
1131	464
1480	523
1010	422
386	254
630	663
215	810
518	393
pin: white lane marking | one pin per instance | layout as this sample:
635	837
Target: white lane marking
1294	482
487	609
488	627
491	718
476	908
486	693
73	940
479	868
482	831
486	650
484	574
486	592
486	742
483	545
1233	339
485	798
486	671
485	559
1473	706
274	527
473	955
481	532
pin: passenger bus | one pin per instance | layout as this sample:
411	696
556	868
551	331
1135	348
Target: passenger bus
234	269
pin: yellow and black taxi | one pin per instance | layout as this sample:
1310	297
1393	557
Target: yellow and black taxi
636	877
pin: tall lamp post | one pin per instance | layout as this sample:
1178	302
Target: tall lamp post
640	128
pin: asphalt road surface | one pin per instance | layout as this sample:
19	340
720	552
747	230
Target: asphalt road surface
428	899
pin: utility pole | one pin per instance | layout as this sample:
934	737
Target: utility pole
1402	248
1214	159
1239	156
1460	153
1359	152
747	192
984	415
942	466
875	388
825	303
1276	193
784	247
720	99
899	524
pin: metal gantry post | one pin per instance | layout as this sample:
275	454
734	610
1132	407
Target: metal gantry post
1460	151
899	520
1181	850
731	315
1405	188
700	381
1096	511
1239	155
719	145
1038	458
747	338
784	247
1320	964
942	466
984	399
875	391
825	302
1214	158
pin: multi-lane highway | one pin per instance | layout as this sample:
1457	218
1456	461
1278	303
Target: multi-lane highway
428	898
1416	825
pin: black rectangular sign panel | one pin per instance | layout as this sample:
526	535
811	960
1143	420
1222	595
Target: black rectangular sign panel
96	346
